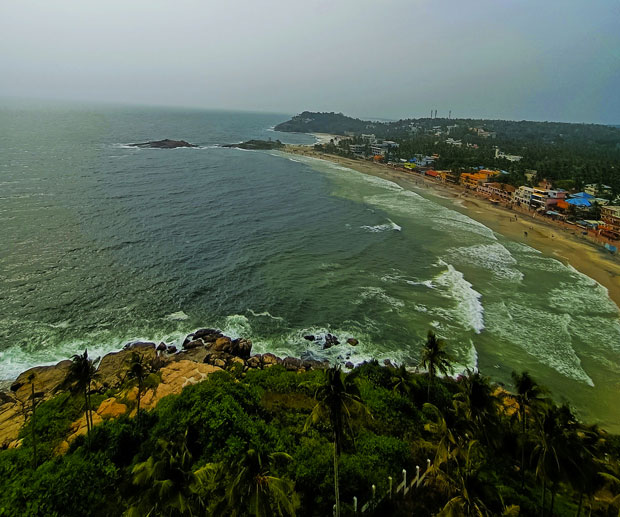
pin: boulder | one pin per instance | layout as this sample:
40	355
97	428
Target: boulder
139	345
197	354
270	359
222	344
207	335
331	340
349	365
113	367
11	420
110	408
254	361
171	349
161	347
242	348
292	363
352	341
193	344
309	337
47	379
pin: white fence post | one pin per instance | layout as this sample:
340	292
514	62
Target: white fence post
390	483
405	487
354	504
374	491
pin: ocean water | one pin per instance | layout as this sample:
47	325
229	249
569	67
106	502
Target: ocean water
103	244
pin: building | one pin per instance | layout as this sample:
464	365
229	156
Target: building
382	148
452	141
450	177
509	157
596	189
611	217
497	191
544	198
357	149
369	138
481	132
471	180
523	196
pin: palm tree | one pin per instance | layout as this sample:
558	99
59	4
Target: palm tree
338	401
252	489
81	374
472	493
476	403
402	381
555	451
434	358
165	482
529	396
138	369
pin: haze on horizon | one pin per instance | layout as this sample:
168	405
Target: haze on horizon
513	59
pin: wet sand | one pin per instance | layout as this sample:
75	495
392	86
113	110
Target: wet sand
550	239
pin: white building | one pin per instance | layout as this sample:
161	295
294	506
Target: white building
523	196
509	157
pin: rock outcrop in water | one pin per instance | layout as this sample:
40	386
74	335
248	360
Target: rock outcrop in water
164	144
258	145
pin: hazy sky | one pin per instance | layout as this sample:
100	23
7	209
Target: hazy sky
516	59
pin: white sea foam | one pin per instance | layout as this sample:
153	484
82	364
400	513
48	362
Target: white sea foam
470	311
492	257
545	335
389	226
426	283
265	314
177	316
236	326
379	294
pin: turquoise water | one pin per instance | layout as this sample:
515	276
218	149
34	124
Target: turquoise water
104	244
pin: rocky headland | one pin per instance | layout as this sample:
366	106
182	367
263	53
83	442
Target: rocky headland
203	352
257	145
164	144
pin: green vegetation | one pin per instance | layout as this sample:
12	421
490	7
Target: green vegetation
277	442
256	145
570	155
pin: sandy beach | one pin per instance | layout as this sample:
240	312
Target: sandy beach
589	258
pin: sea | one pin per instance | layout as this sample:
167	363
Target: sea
104	244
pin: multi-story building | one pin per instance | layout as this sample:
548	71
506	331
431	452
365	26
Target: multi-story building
544	198
471	180
357	149
611	216
498	191
523	196
382	148
449	176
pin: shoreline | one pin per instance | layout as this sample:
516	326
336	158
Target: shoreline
551	240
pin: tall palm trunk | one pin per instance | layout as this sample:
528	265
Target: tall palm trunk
336	483
523	449
34	434
139	397
542	506
553	490
90	408
580	502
